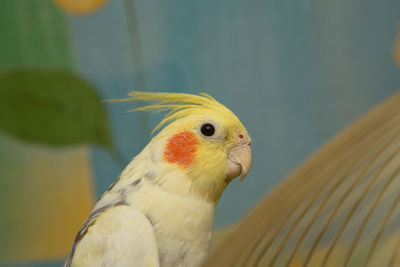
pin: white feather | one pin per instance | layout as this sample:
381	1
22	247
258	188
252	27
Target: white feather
119	237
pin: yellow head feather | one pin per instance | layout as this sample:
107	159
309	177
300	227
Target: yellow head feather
179	105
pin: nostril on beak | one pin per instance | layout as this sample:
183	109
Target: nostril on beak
243	139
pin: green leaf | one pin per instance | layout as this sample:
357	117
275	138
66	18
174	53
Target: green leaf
52	107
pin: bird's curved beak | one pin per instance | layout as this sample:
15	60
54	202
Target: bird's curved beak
239	160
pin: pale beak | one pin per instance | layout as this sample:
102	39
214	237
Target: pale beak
239	161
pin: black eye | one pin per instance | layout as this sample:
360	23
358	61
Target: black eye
207	129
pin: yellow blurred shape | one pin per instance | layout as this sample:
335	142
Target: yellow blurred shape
46	194
396	49
80	7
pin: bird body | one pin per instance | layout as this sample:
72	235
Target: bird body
160	211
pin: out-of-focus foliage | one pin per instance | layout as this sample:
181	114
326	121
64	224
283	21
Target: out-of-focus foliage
52	107
80	7
46	183
340	208
34	33
46	186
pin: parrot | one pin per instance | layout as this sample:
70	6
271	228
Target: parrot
160	210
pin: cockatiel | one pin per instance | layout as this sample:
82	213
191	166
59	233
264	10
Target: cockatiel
160	211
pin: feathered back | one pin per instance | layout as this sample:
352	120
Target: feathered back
340	208
179	105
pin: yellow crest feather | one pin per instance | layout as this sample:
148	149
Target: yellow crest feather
179	105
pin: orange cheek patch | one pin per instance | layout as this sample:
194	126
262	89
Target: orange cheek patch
181	148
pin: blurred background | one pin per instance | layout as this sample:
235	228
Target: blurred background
295	72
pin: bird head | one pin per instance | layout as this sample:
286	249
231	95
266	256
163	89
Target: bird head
202	139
